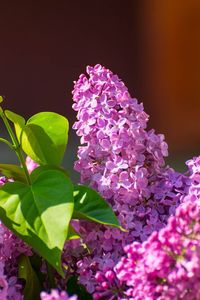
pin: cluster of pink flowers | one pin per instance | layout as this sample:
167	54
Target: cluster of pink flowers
167	265
120	156
125	163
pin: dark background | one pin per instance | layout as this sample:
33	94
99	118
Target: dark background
152	45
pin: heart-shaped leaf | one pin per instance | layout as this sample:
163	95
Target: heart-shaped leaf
18	121
89	205
13	171
32	287
40	213
38	170
44	138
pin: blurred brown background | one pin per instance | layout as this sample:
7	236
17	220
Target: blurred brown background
154	46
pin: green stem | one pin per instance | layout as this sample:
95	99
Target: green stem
16	146
7	143
51	278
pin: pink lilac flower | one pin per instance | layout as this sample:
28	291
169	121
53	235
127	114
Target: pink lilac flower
125	163
167	265
56	295
31	164
3	180
194	168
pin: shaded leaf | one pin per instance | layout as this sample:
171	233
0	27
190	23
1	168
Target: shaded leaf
32	287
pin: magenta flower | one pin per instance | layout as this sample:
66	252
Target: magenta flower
125	163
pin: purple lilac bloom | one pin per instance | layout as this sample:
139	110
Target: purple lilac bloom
56	295
167	265
125	163
194	168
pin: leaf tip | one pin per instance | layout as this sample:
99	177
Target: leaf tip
123	229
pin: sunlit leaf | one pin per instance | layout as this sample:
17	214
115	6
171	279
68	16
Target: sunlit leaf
44	138
89	205
40	214
18	121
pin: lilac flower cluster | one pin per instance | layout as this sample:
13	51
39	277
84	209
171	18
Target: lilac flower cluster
119	156
125	163
194	168
167	265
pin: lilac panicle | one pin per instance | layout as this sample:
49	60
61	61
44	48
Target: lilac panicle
167	265
124	162
119	155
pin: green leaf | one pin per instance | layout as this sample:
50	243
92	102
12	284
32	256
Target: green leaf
36	262
13	171
44	138
72	234
18	121
32	287
38	170
1	99
89	205
40	214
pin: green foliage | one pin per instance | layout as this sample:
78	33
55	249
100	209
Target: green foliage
44	138
40	214
32	287
38	207
89	205
17	120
